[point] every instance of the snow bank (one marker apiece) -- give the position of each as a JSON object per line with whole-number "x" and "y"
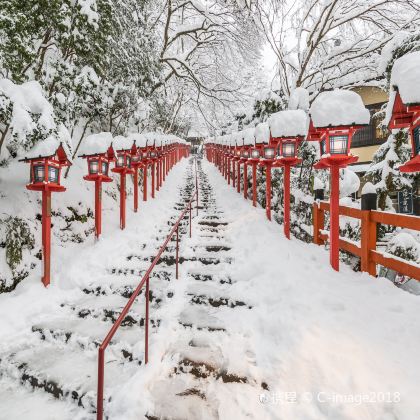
{"x": 339, "y": 107}
{"x": 262, "y": 133}
{"x": 289, "y": 123}
{"x": 95, "y": 144}
{"x": 318, "y": 184}
{"x": 122, "y": 143}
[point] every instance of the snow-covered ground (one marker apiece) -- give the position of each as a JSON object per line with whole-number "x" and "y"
{"x": 256, "y": 327}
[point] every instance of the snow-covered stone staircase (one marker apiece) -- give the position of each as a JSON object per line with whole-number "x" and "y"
{"x": 208, "y": 368}
{"x": 58, "y": 357}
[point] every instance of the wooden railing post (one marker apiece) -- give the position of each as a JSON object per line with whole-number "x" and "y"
{"x": 318, "y": 222}
{"x": 368, "y": 243}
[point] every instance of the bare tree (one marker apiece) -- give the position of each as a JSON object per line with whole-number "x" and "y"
{"x": 321, "y": 44}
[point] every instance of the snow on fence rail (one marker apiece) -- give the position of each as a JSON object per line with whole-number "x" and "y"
{"x": 144, "y": 282}
{"x": 366, "y": 249}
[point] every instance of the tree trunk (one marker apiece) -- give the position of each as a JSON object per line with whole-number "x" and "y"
{"x": 78, "y": 145}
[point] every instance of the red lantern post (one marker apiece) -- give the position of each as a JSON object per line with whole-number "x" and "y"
{"x": 336, "y": 116}
{"x": 46, "y": 161}
{"x": 404, "y": 104}
{"x": 99, "y": 153}
{"x": 288, "y": 128}
{"x": 124, "y": 149}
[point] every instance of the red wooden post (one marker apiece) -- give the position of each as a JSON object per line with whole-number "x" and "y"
{"x": 268, "y": 191}
{"x": 136, "y": 189}
{"x": 157, "y": 175}
{"x": 177, "y": 251}
{"x": 318, "y": 220}
{"x": 238, "y": 171}
{"x": 245, "y": 181}
{"x": 98, "y": 206}
{"x": 254, "y": 184}
{"x": 228, "y": 170}
{"x": 233, "y": 174}
{"x": 145, "y": 182}
{"x": 164, "y": 168}
{"x": 190, "y": 219}
{"x": 46, "y": 236}
{"x": 335, "y": 218}
{"x": 100, "y": 395}
{"x": 368, "y": 243}
{"x": 146, "y": 324}
{"x": 286, "y": 180}
{"x": 153, "y": 179}
{"x": 122, "y": 201}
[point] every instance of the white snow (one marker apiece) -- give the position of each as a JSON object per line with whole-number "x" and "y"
{"x": 368, "y": 188}
{"x": 405, "y": 76}
{"x": 289, "y": 123}
{"x": 95, "y": 144}
{"x": 339, "y": 107}
{"x": 248, "y": 136}
{"x": 349, "y": 182}
{"x": 299, "y": 99}
{"x": 318, "y": 184}
{"x": 262, "y": 133}
{"x": 122, "y": 143}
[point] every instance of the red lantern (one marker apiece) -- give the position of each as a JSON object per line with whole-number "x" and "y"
{"x": 46, "y": 161}
{"x": 124, "y": 153}
{"x": 336, "y": 117}
{"x": 99, "y": 153}
{"x": 288, "y": 129}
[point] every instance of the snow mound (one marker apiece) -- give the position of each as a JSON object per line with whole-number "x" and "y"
{"x": 262, "y": 133}
{"x": 122, "y": 143}
{"x": 405, "y": 77}
{"x": 339, "y": 107}
{"x": 349, "y": 182}
{"x": 318, "y": 184}
{"x": 95, "y": 144}
{"x": 291, "y": 123}
{"x": 368, "y": 188}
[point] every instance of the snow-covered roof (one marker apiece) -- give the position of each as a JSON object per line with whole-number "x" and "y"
{"x": 95, "y": 144}
{"x": 339, "y": 108}
{"x": 122, "y": 143}
{"x": 139, "y": 138}
{"x": 262, "y": 133}
{"x": 291, "y": 123}
{"x": 405, "y": 76}
{"x": 248, "y": 136}
{"x": 299, "y": 99}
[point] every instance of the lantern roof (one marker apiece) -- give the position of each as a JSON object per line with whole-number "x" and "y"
{"x": 290, "y": 123}
{"x": 248, "y": 136}
{"x": 50, "y": 148}
{"x": 339, "y": 108}
{"x": 96, "y": 144}
{"x": 262, "y": 133}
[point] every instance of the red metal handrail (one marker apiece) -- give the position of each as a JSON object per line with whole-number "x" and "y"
{"x": 144, "y": 280}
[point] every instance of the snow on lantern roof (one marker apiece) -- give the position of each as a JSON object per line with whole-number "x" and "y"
{"x": 122, "y": 143}
{"x": 339, "y": 108}
{"x": 96, "y": 144}
{"x": 248, "y": 136}
{"x": 291, "y": 123}
{"x": 48, "y": 148}
{"x": 405, "y": 77}
{"x": 139, "y": 138}
{"x": 262, "y": 133}
{"x": 235, "y": 139}
{"x": 299, "y": 99}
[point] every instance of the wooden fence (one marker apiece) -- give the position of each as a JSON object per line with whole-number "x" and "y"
{"x": 366, "y": 248}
